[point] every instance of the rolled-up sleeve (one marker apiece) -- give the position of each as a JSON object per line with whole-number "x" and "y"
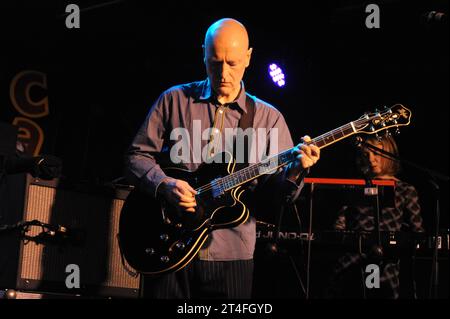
{"x": 141, "y": 167}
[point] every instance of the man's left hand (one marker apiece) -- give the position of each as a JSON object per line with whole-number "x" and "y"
{"x": 306, "y": 156}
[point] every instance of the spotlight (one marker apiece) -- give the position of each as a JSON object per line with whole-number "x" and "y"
{"x": 277, "y": 75}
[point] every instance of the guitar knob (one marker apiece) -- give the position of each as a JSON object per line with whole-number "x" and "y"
{"x": 397, "y": 131}
{"x": 149, "y": 251}
{"x": 180, "y": 245}
{"x": 165, "y": 259}
{"x": 164, "y": 237}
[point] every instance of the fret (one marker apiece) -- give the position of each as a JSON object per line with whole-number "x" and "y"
{"x": 329, "y": 138}
{"x": 349, "y": 130}
{"x": 254, "y": 171}
{"x": 338, "y": 134}
{"x": 319, "y": 142}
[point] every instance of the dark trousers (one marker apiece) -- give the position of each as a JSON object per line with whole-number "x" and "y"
{"x": 203, "y": 279}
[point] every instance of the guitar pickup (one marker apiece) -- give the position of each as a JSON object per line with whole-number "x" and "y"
{"x": 216, "y": 188}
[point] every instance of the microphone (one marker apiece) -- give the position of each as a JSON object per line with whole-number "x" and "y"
{"x": 57, "y": 234}
{"x": 56, "y": 230}
{"x": 45, "y": 167}
{"x": 362, "y": 161}
{"x": 357, "y": 141}
{"x": 63, "y": 235}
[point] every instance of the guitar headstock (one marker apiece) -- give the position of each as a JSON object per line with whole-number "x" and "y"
{"x": 390, "y": 118}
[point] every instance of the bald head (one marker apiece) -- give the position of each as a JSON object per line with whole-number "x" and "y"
{"x": 226, "y": 55}
{"x": 229, "y": 31}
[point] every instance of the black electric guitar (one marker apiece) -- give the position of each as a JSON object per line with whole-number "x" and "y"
{"x": 156, "y": 239}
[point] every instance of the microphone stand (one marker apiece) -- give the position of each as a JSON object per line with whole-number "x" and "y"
{"x": 372, "y": 191}
{"x": 434, "y": 177}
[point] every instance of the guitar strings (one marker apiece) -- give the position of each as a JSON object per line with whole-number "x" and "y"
{"x": 246, "y": 170}
{"x": 314, "y": 140}
{"x": 252, "y": 167}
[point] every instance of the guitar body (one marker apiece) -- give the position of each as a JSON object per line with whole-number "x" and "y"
{"x": 155, "y": 238}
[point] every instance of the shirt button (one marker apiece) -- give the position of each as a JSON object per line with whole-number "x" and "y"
{"x": 220, "y": 111}
{"x": 216, "y": 130}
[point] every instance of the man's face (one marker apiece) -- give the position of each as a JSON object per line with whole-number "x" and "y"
{"x": 226, "y": 62}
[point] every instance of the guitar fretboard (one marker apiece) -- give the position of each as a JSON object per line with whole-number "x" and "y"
{"x": 271, "y": 164}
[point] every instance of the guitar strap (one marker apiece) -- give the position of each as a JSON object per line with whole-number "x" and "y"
{"x": 245, "y": 122}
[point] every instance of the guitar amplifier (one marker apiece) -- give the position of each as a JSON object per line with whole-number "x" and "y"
{"x": 87, "y": 249}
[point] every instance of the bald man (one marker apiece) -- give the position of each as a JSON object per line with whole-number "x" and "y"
{"x": 224, "y": 265}
{"x": 226, "y": 56}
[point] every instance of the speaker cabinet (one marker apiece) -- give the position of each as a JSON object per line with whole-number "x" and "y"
{"x": 90, "y": 218}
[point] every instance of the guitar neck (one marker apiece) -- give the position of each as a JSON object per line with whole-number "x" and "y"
{"x": 271, "y": 164}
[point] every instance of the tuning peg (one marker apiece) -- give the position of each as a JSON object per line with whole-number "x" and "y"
{"x": 397, "y": 131}
{"x": 379, "y": 138}
{"x": 388, "y": 133}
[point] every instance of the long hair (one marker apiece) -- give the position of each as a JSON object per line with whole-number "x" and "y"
{"x": 388, "y": 166}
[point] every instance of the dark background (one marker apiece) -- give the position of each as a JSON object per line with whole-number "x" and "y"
{"x": 103, "y": 78}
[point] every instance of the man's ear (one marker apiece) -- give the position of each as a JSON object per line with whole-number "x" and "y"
{"x": 249, "y": 56}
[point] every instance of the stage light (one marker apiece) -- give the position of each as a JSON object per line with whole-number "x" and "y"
{"x": 277, "y": 75}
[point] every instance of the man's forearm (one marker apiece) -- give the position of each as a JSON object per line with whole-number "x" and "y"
{"x": 144, "y": 172}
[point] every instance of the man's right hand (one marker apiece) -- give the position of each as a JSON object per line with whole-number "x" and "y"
{"x": 178, "y": 193}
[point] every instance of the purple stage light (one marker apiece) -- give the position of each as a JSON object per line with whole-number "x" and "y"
{"x": 277, "y": 75}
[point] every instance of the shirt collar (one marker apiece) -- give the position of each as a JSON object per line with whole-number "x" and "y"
{"x": 207, "y": 95}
